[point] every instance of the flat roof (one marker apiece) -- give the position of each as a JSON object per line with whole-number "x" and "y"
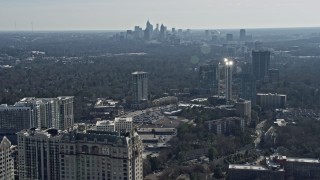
{"x": 139, "y": 72}
{"x": 305, "y": 160}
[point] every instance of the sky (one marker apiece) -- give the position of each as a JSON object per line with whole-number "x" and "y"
{"x": 125, "y": 14}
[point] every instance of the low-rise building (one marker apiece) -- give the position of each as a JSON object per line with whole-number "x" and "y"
{"x": 226, "y": 125}
{"x": 271, "y": 101}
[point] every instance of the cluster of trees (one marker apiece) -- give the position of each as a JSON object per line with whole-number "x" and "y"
{"x": 241, "y": 158}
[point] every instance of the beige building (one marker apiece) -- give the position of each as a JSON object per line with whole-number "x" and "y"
{"x": 123, "y": 124}
{"x": 100, "y": 155}
{"x": 105, "y": 125}
{"x": 38, "y": 154}
{"x": 6, "y": 160}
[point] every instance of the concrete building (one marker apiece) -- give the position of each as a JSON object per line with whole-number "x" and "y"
{"x": 271, "y": 101}
{"x": 6, "y": 160}
{"x": 99, "y": 155}
{"x": 38, "y": 154}
{"x": 243, "y": 109}
{"x": 14, "y": 118}
{"x": 227, "y": 125}
{"x": 105, "y": 125}
{"x": 52, "y": 154}
{"x": 123, "y": 124}
{"x": 106, "y": 109}
{"x": 139, "y": 89}
{"x": 274, "y": 75}
{"x": 261, "y": 65}
{"x": 50, "y": 112}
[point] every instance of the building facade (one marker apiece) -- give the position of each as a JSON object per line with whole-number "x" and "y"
{"x": 139, "y": 89}
{"x": 209, "y": 76}
{"x": 229, "y": 125}
{"x": 6, "y": 160}
{"x": 38, "y": 154}
{"x": 243, "y": 109}
{"x": 261, "y": 64}
{"x": 99, "y": 155}
{"x": 123, "y": 124}
{"x": 271, "y": 101}
{"x": 15, "y": 118}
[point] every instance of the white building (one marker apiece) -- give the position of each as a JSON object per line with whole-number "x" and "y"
{"x": 6, "y": 160}
{"x": 123, "y": 124}
{"x": 105, "y": 125}
{"x": 139, "y": 89}
{"x": 50, "y": 112}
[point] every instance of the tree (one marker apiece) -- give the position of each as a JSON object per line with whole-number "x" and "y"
{"x": 212, "y": 152}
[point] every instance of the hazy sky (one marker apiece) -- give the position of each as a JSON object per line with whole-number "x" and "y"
{"x": 124, "y": 14}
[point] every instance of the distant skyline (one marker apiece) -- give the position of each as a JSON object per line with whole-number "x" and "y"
{"x": 125, "y": 14}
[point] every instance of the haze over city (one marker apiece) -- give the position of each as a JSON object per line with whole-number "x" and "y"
{"x": 124, "y": 14}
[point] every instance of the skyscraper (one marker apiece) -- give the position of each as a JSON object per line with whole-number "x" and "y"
{"x": 209, "y": 76}
{"x": 6, "y": 160}
{"x": 50, "y": 112}
{"x": 229, "y": 37}
{"x": 242, "y": 34}
{"x": 260, "y": 64}
{"x": 228, "y": 79}
{"x": 39, "y": 154}
{"x": 248, "y": 87}
{"x": 100, "y": 155}
{"x": 148, "y": 31}
{"x": 139, "y": 87}
{"x": 51, "y": 154}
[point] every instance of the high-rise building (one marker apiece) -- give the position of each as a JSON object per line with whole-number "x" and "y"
{"x": 52, "y": 154}
{"x": 260, "y": 64}
{"x": 274, "y": 75}
{"x": 242, "y": 34}
{"x": 209, "y": 76}
{"x": 148, "y": 31}
{"x": 6, "y": 160}
{"x": 50, "y": 112}
{"x": 243, "y": 109}
{"x": 271, "y": 101}
{"x": 248, "y": 87}
{"x": 228, "y": 79}
{"x": 38, "y": 153}
{"x": 139, "y": 88}
{"x": 15, "y": 118}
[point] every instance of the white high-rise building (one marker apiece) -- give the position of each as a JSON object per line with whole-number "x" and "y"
{"x": 50, "y": 112}
{"x": 6, "y": 160}
{"x": 140, "y": 86}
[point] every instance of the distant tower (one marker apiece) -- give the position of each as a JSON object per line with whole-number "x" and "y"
{"x": 148, "y": 31}
{"x": 139, "y": 87}
{"x": 260, "y": 64}
{"x": 229, "y": 37}
{"x": 228, "y": 79}
{"x": 209, "y": 76}
{"x": 242, "y": 34}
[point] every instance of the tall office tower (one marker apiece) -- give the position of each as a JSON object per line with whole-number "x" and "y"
{"x": 242, "y": 34}
{"x": 148, "y": 31}
{"x": 140, "y": 86}
{"x": 163, "y": 31}
{"x": 100, "y": 155}
{"x": 248, "y": 87}
{"x": 14, "y": 118}
{"x": 260, "y": 64}
{"x": 66, "y": 112}
{"x": 209, "y": 76}
{"x": 50, "y": 112}
{"x": 38, "y": 152}
{"x": 6, "y": 160}
{"x": 228, "y": 80}
{"x": 229, "y": 37}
